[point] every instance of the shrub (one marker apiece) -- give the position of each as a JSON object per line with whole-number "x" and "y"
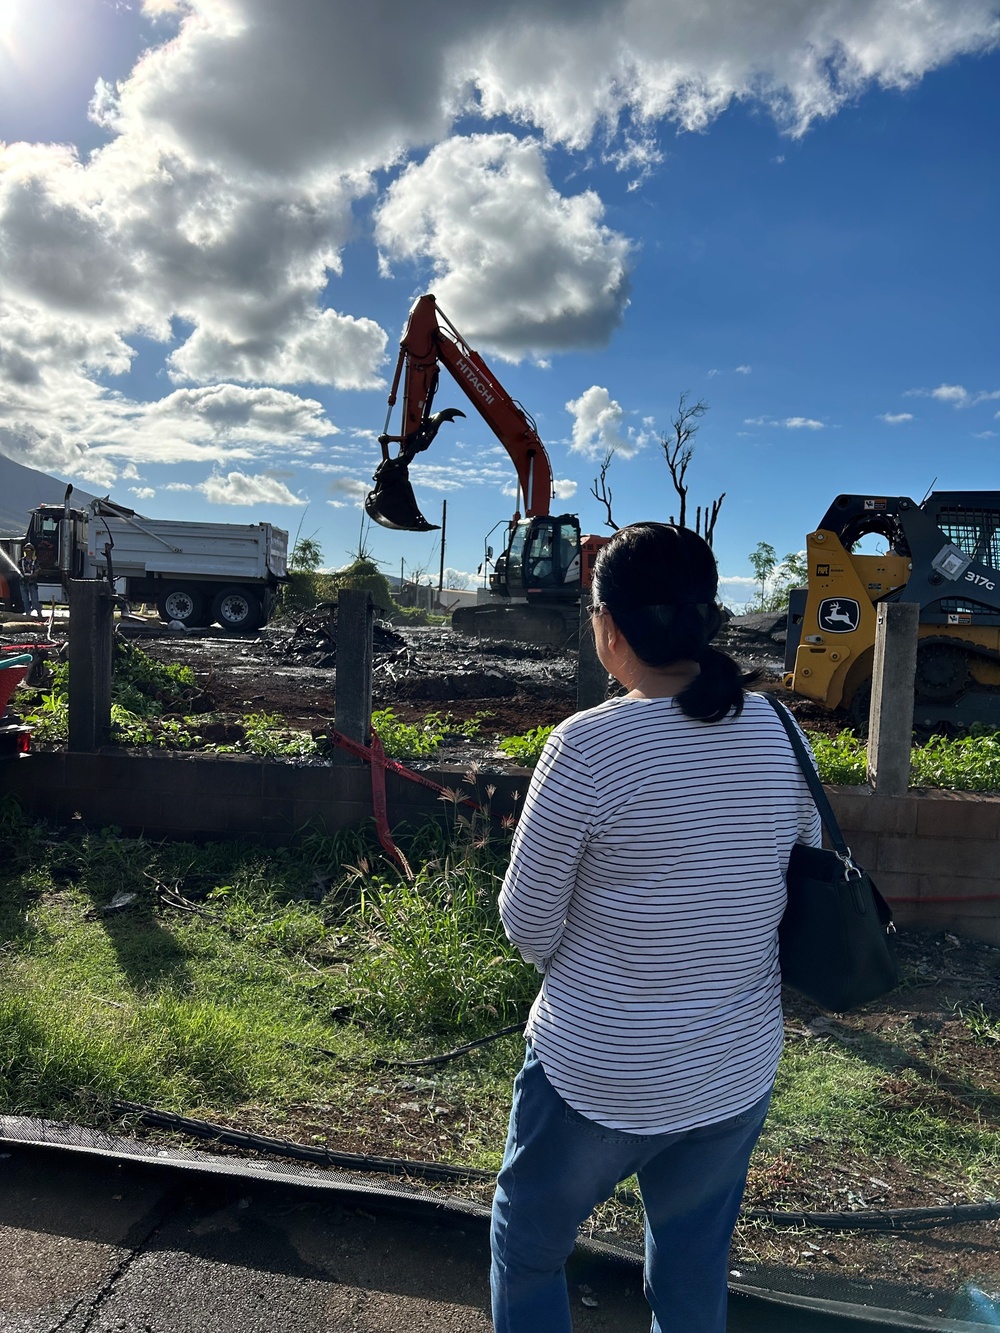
{"x": 366, "y": 576}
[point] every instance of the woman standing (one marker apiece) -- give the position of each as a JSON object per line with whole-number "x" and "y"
{"x": 646, "y": 883}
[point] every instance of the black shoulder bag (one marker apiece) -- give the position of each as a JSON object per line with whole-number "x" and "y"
{"x": 834, "y": 939}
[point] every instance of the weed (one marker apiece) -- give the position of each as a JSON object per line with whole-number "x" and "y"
{"x": 842, "y": 759}
{"x": 527, "y": 749}
{"x": 432, "y": 954}
{"x": 267, "y": 735}
{"x": 965, "y": 763}
{"x": 419, "y": 740}
{"x": 983, "y": 1025}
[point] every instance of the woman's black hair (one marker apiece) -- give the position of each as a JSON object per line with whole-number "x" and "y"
{"x": 659, "y": 582}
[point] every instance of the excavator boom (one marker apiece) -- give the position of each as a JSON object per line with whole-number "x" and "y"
{"x": 429, "y": 341}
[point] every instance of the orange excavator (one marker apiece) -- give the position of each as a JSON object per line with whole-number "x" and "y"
{"x": 546, "y": 565}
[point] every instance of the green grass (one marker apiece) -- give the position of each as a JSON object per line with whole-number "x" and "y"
{"x": 294, "y": 970}
{"x": 298, "y": 964}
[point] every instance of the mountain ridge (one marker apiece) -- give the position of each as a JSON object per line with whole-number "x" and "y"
{"x": 23, "y": 489}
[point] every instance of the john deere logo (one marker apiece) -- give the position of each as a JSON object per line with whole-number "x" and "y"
{"x": 839, "y": 615}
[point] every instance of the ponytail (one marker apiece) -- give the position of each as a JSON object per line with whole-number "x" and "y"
{"x": 718, "y": 688}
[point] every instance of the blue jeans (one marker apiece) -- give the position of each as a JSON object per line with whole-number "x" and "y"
{"x": 29, "y": 598}
{"x": 558, "y": 1166}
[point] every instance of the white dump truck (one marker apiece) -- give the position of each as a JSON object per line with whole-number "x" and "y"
{"x": 195, "y": 573}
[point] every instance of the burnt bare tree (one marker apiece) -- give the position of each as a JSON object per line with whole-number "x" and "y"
{"x": 601, "y": 491}
{"x": 678, "y": 449}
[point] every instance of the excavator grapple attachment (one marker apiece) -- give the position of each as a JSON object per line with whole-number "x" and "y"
{"x": 392, "y": 502}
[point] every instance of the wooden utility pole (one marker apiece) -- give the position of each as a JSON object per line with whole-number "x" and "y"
{"x": 353, "y": 685}
{"x": 444, "y": 525}
{"x": 91, "y": 640}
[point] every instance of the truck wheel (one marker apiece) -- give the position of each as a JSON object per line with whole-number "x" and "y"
{"x": 238, "y": 609}
{"x": 183, "y": 604}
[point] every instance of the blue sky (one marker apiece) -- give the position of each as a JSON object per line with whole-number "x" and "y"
{"x": 203, "y": 276}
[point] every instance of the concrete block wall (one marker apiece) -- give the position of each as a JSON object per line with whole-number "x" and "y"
{"x": 176, "y": 795}
{"x": 933, "y": 854}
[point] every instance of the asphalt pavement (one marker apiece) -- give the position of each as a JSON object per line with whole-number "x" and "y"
{"x": 106, "y": 1235}
{"x": 91, "y": 1245}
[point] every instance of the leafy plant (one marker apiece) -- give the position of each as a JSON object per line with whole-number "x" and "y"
{"x": 963, "y": 763}
{"x": 419, "y": 740}
{"x": 307, "y": 554}
{"x": 527, "y": 749}
{"x": 407, "y": 740}
{"x": 267, "y": 735}
{"x": 365, "y": 575}
{"x": 842, "y": 759}
{"x": 763, "y": 559}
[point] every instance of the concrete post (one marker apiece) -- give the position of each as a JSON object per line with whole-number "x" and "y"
{"x": 91, "y": 627}
{"x": 890, "y": 728}
{"x": 353, "y": 685}
{"x": 591, "y": 677}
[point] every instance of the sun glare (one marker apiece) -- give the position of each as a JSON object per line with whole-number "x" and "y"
{"x": 13, "y": 15}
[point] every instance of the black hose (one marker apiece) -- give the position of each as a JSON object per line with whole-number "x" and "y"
{"x": 891, "y": 1219}
{"x": 448, "y": 1055}
{"x": 237, "y": 1138}
{"x": 888, "y": 1219}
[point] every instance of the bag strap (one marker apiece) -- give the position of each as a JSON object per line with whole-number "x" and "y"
{"x": 812, "y": 778}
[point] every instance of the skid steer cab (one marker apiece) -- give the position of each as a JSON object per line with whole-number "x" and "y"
{"x": 943, "y": 554}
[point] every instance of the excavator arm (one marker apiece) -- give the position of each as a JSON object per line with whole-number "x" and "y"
{"x": 429, "y": 341}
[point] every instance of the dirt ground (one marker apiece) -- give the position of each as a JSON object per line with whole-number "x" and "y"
{"x": 289, "y": 668}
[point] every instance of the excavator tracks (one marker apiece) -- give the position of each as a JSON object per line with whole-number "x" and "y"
{"x": 519, "y": 622}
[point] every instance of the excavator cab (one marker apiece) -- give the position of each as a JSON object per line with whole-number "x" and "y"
{"x": 542, "y": 558}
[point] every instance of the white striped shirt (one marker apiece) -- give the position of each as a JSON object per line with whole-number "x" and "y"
{"x": 647, "y": 880}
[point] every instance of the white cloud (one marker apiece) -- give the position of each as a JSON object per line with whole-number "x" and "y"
{"x": 956, "y": 394}
{"x": 744, "y": 370}
{"x": 952, "y": 393}
{"x": 231, "y": 409}
{"x": 240, "y": 489}
{"x": 143, "y": 492}
{"x": 786, "y": 423}
{"x": 599, "y": 425}
{"x": 895, "y": 418}
{"x": 214, "y": 219}
{"x": 348, "y": 492}
{"x": 563, "y": 489}
{"x": 568, "y": 68}
{"x": 737, "y": 591}
{"x": 517, "y": 265}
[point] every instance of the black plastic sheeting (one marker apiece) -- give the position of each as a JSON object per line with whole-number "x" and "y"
{"x": 764, "y": 1299}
